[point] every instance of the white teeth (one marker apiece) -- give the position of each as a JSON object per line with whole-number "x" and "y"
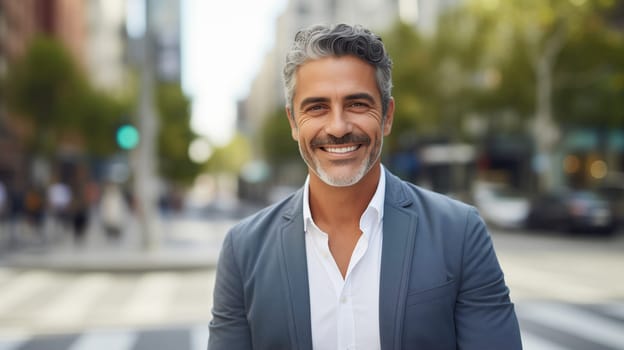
{"x": 341, "y": 149}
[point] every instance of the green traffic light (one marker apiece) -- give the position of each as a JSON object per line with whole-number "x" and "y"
{"x": 127, "y": 137}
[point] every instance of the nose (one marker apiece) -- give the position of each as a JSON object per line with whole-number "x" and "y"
{"x": 338, "y": 124}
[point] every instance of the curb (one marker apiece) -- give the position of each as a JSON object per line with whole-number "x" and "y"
{"x": 129, "y": 262}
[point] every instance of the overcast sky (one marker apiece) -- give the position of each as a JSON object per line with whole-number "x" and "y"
{"x": 223, "y": 45}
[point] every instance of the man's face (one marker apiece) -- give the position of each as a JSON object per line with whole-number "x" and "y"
{"x": 336, "y": 118}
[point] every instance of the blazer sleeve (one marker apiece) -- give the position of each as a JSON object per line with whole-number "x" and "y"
{"x": 484, "y": 315}
{"x": 229, "y": 329}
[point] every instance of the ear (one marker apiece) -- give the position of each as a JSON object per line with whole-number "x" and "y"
{"x": 387, "y": 127}
{"x": 294, "y": 132}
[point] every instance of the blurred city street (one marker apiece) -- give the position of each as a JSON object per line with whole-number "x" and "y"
{"x": 116, "y": 296}
{"x": 132, "y": 137}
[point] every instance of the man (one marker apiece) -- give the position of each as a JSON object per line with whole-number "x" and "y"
{"x": 356, "y": 259}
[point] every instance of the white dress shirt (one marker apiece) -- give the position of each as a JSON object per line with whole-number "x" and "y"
{"x": 345, "y": 312}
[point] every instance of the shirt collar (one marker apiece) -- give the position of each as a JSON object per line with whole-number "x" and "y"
{"x": 376, "y": 204}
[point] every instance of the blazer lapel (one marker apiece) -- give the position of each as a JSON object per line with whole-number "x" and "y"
{"x": 399, "y": 227}
{"x": 294, "y": 264}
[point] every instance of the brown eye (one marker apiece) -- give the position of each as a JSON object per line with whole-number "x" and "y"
{"x": 316, "y": 110}
{"x": 358, "y": 106}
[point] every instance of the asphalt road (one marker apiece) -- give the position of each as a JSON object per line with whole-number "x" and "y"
{"x": 568, "y": 289}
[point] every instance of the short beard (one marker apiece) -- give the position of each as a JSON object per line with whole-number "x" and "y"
{"x": 315, "y": 167}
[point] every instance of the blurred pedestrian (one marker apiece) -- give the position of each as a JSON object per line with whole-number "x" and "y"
{"x": 4, "y": 210}
{"x": 113, "y": 210}
{"x": 79, "y": 210}
{"x": 59, "y": 201}
{"x": 357, "y": 258}
{"x": 34, "y": 205}
{"x": 16, "y": 211}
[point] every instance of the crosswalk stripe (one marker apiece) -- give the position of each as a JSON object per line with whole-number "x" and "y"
{"x": 199, "y": 337}
{"x": 575, "y": 321}
{"x": 615, "y": 310}
{"x": 106, "y": 340}
{"x": 151, "y": 297}
{"x": 531, "y": 342}
{"x": 22, "y": 288}
{"x": 6, "y": 274}
{"x": 75, "y": 300}
{"x": 12, "y": 344}
{"x": 548, "y": 284}
{"x": 521, "y": 271}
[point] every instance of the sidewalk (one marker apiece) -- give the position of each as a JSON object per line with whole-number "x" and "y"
{"x": 187, "y": 242}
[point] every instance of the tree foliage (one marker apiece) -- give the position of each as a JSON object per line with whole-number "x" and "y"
{"x": 231, "y": 157}
{"x": 276, "y": 139}
{"x": 582, "y": 47}
{"x": 49, "y": 90}
{"x": 589, "y": 79}
{"x": 101, "y": 115}
{"x": 175, "y": 134}
{"x": 482, "y": 60}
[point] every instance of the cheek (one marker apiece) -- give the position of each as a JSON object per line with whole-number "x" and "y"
{"x": 375, "y": 126}
{"x": 306, "y": 129}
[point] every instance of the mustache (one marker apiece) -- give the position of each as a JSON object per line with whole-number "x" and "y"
{"x": 333, "y": 140}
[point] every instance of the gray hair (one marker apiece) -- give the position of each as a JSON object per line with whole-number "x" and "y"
{"x": 320, "y": 41}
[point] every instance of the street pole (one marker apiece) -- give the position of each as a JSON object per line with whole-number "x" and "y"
{"x": 547, "y": 133}
{"x": 145, "y": 160}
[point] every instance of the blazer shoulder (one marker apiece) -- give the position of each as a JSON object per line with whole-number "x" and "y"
{"x": 444, "y": 219}
{"x": 265, "y": 222}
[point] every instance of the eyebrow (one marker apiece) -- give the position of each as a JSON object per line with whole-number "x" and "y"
{"x": 361, "y": 96}
{"x": 311, "y": 100}
{"x": 357, "y": 96}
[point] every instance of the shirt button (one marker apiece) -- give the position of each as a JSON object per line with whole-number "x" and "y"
{"x": 343, "y": 299}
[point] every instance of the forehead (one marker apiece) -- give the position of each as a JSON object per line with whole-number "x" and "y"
{"x": 335, "y": 76}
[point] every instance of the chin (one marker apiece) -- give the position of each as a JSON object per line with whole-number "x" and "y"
{"x": 342, "y": 180}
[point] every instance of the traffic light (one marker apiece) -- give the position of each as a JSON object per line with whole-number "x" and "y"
{"x": 127, "y": 136}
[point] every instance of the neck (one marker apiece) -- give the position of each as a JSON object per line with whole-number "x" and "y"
{"x": 333, "y": 206}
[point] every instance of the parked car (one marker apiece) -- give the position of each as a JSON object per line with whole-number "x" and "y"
{"x": 500, "y": 205}
{"x": 571, "y": 210}
{"x": 614, "y": 194}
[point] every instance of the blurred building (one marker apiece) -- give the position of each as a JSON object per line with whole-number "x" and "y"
{"x": 17, "y": 27}
{"x": 162, "y": 17}
{"x": 591, "y": 156}
{"x": 23, "y": 20}
{"x": 20, "y": 22}
{"x": 424, "y": 14}
{"x": 106, "y": 44}
{"x": 163, "y": 21}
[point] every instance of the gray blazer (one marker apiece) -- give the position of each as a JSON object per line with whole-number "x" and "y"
{"x": 441, "y": 285}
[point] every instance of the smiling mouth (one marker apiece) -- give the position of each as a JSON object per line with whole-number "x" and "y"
{"x": 341, "y": 150}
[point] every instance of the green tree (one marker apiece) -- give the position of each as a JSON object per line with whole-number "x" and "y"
{"x": 276, "y": 139}
{"x": 588, "y": 82}
{"x": 412, "y": 77}
{"x": 175, "y": 134}
{"x": 437, "y": 77}
{"x": 230, "y": 158}
{"x": 48, "y": 89}
{"x": 569, "y": 58}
